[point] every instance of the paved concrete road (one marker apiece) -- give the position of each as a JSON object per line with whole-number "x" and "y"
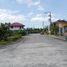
{"x": 35, "y": 51}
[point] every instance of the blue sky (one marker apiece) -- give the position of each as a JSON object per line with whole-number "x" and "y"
{"x": 31, "y": 12}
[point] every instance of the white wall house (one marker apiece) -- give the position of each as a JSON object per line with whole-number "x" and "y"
{"x": 16, "y": 26}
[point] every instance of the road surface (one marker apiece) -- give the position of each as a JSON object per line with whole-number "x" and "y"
{"x": 35, "y": 51}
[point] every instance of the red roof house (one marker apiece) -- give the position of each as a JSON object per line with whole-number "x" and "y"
{"x": 16, "y": 26}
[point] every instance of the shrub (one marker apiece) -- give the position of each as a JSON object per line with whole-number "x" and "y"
{"x": 22, "y": 32}
{"x": 10, "y": 39}
{"x": 3, "y": 42}
{"x": 14, "y": 38}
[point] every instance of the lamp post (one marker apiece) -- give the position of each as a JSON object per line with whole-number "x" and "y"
{"x": 49, "y": 27}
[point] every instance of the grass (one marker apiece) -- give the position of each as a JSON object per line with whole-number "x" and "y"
{"x": 3, "y": 42}
{"x": 10, "y": 39}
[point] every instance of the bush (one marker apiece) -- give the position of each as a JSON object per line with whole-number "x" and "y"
{"x": 34, "y": 30}
{"x": 22, "y": 32}
{"x": 3, "y": 42}
{"x": 10, "y": 39}
{"x": 14, "y": 38}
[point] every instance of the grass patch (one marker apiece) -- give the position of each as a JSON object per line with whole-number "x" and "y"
{"x": 14, "y": 38}
{"x": 3, "y": 42}
{"x": 10, "y": 39}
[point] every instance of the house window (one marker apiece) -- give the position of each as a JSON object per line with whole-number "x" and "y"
{"x": 11, "y": 26}
{"x": 20, "y": 27}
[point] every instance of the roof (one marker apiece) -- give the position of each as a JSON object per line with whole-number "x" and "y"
{"x": 17, "y": 24}
{"x": 60, "y": 21}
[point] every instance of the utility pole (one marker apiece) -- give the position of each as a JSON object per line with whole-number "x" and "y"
{"x": 49, "y": 27}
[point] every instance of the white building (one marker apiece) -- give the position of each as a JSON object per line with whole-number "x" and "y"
{"x": 16, "y": 26}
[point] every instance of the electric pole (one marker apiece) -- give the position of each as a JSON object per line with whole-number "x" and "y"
{"x": 49, "y": 27}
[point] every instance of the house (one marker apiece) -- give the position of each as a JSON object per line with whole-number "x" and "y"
{"x": 16, "y": 26}
{"x": 62, "y": 25}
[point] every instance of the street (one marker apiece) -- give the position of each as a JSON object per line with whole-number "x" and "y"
{"x": 35, "y": 50}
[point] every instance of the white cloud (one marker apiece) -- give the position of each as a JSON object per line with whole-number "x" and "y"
{"x": 37, "y": 18}
{"x": 36, "y": 3}
{"x": 30, "y": 14}
{"x": 8, "y": 11}
{"x": 40, "y": 7}
{"x": 19, "y": 1}
{"x": 9, "y": 16}
{"x": 41, "y": 18}
{"x": 30, "y": 3}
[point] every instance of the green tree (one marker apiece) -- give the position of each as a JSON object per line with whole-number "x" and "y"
{"x": 4, "y": 31}
{"x": 54, "y": 29}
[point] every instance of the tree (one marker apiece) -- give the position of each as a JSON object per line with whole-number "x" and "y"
{"x": 54, "y": 29}
{"x": 4, "y": 31}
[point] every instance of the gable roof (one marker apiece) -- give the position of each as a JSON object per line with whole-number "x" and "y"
{"x": 17, "y": 24}
{"x": 60, "y": 21}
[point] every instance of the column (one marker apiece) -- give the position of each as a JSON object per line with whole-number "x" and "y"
{"x": 59, "y": 31}
{"x": 63, "y": 30}
{"x": 49, "y": 29}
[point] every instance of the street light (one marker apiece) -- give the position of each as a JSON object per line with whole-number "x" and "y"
{"x": 49, "y": 27}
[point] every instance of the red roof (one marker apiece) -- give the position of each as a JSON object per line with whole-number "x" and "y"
{"x": 17, "y": 24}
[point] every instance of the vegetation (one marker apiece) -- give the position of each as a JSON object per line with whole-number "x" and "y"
{"x": 34, "y": 30}
{"x": 23, "y": 32}
{"x": 4, "y": 32}
{"x": 3, "y": 42}
{"x": 7, "y": 36}
{"x": 10, "y": 39}
{"x": 54, "y": 29}
{"x": 14, "y": 38}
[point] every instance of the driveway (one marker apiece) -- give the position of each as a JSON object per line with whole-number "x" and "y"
{"x": 35, "y": 51}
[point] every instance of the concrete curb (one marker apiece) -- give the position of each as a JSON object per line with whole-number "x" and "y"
{"x": 58, "y": 37}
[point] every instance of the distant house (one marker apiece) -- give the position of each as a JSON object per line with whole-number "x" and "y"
{"x": 16, "y": 26}
{"x": 62, "y": 25}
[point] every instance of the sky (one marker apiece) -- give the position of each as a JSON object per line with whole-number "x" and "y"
{"x": 31, "y": 13}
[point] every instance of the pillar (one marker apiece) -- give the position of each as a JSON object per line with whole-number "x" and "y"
{"x": 49, "y": 29}
{"x": 63, "y": 30}
{"x": 59, "y": 31}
